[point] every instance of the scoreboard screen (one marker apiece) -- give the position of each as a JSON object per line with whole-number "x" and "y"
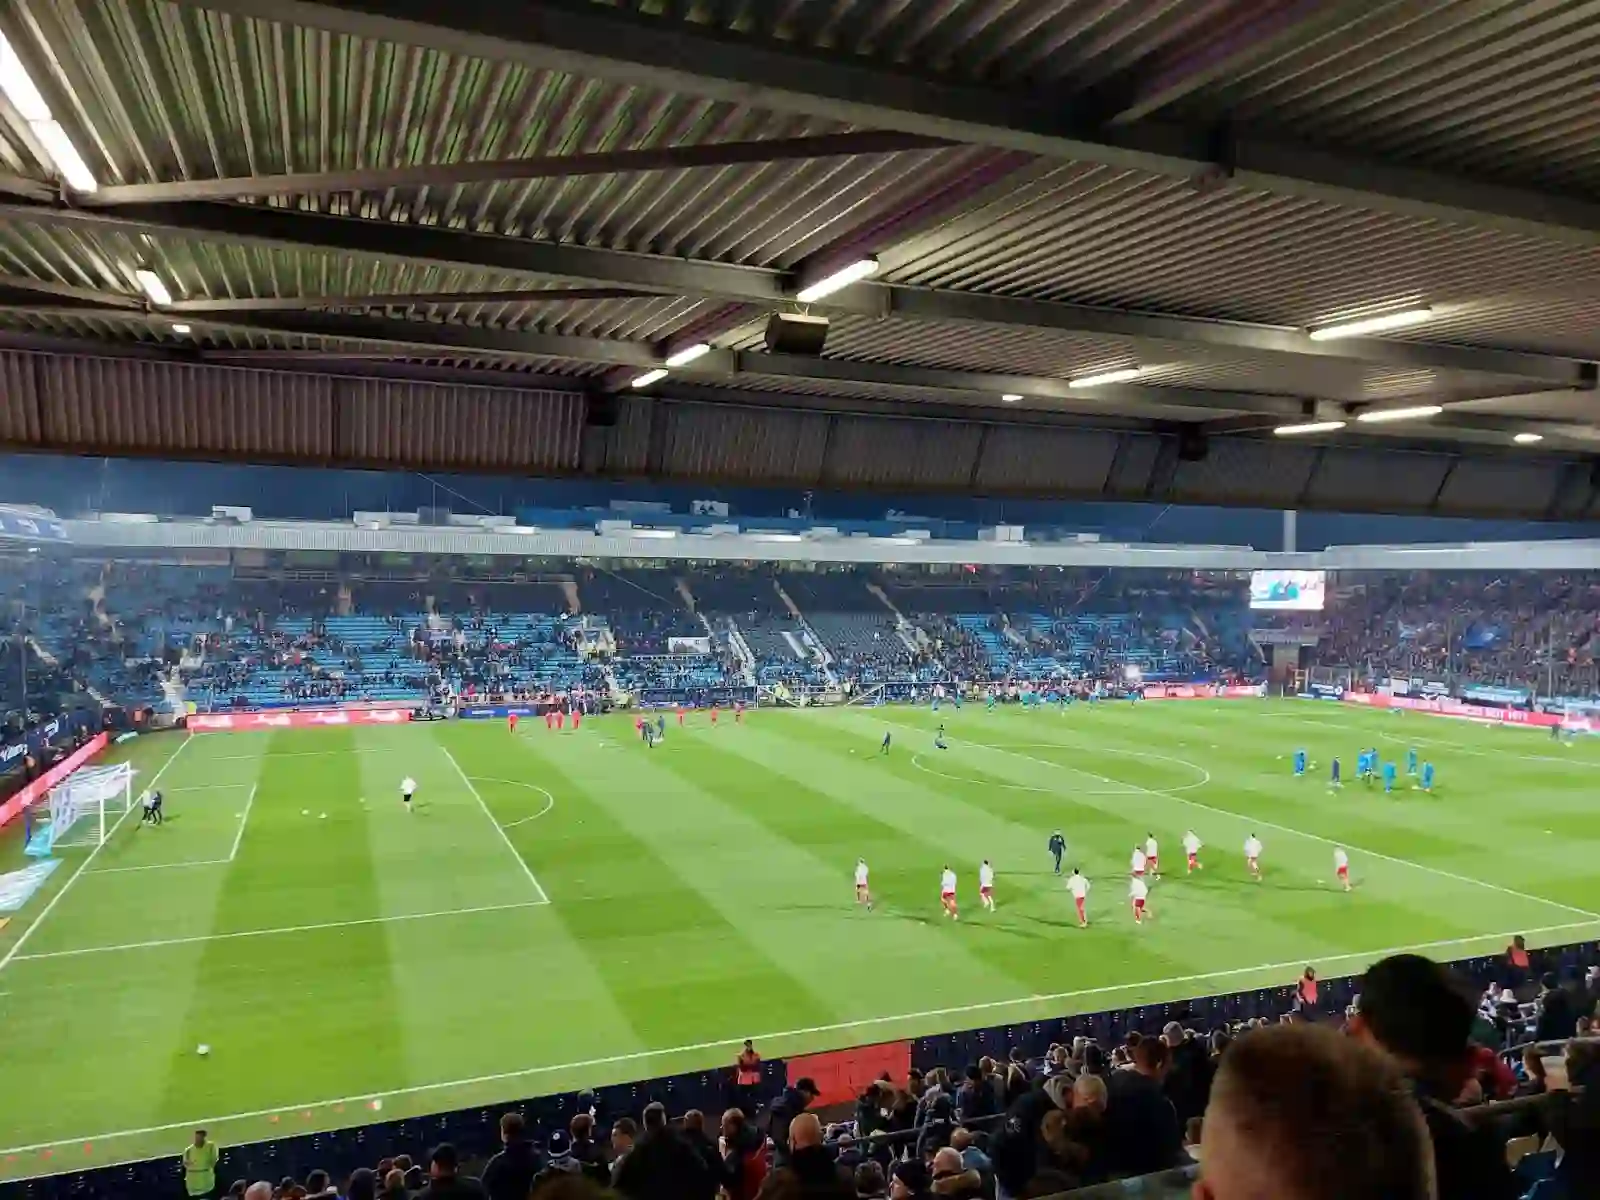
{"x": 1298, "y": 590}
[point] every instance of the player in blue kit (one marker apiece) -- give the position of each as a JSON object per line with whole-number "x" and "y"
{"x": 1299, "y": 763}
{"x": 1334, "y": 780}
{"x": 1411, "y": 761}
{"x": 1427, "y": 777}
{"x": 1389, "y": 773}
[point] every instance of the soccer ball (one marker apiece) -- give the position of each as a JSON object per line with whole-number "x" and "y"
{"x": 377, "y": 1105}
{"x": 324, "y": 816}
{"x": 305, "y": 812}
{"x": 202, "y": 1050}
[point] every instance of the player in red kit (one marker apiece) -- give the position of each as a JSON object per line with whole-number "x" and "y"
{"x": 561, "y": 719}
{"x": 713, "y": 714}
{"x": 549, "y": 718}
{"x": 738, "y": 713}
{"x": 577, "y": 719}
{"x": 680, "y": 716}
{"x": 511, "y": 722}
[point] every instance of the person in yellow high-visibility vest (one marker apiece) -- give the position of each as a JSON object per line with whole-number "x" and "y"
{"x": 200, "y": 1166}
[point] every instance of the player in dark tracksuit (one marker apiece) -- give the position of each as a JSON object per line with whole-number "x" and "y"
{"x": 1058, "y": 847}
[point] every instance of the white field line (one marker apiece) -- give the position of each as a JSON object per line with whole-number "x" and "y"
{"x": 197, "y": 939}
{"x": 505, "y": 837}
{"x": 84, "y": 865}
{"x": 549, "y": 800}
{"x": 244, "y": 820}
{"x": 208, "y": 787}
{"x": 172, "y": 866}
{"x": 1300, "y": 833}
{"x": 1364, "y": 956}
{"x": 215, "y": 758}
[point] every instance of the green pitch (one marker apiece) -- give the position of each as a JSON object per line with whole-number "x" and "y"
{"x": 567, "y": 910}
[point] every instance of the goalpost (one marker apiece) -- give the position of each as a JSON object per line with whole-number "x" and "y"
{"x": 79, "y": 806}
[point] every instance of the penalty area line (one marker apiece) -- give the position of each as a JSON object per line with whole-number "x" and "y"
{"x": 808, "y": 1031}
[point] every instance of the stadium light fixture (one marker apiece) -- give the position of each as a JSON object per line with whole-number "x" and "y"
{"x": 688, "y": 354}
{"x": 837, "y": 281}
{"x": 181, "y": 328}
{"x": 1309, "y": 427}
{"x": 1120, "y": 375}
{"x": 777, "y": 537}
{"x": 1379, "y": 416}
{"x": 655, "y": 533}
{"x": 649, "y": 377}
{"x": 1528, "y": 439}
{"x": 26, "y": 98}
{"x": 1367, "y": 325}
{"x": 153, "y": 286}
{"x": 1011, "y": 397}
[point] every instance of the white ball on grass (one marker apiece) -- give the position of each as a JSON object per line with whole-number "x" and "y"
{"x": 305, "y": 812}
{"x": 202, "y": 1050}
{"x": 324, "y": 816}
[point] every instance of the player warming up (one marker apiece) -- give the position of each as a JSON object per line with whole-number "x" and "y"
{"x": 1388, "y": 777}
{"x": 1341, "y": 867}
{"x": 1152, "y": 854}
{"x": 1079, "y": 887}
{"x": 1058, "y": 847}
{"x": 1427, "y": 777}
{"x": 1138, "y": 892}
{"x": 863, "y": 893}
{"x": 1138, "y": 863}
{"x": 1252, "y": 856}
{"x": 887, "y": 738}
{"x": 947, "y": 894}
{"x": 938, "y": 739}
{"x": 986, "y": 885}
{"x": 1333, "y": 779}
{"x": 408, "y": 789}
{"x": 1191, "y": 851}
{"x": 1299, "y": 764}
{"x": 511, "y": 722}
{"x": 151, "y": 801}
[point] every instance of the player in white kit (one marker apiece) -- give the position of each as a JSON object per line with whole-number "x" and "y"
{"x": 1341, "y": 866}
{"x": 1152, "y": 855}
{"x": 1079, "y": 887}
{"x": 986, "y": 885}
{"x": 1137, "y": 865}
{"x": 863, "y": 893}
{"x": 947, "y": 894}
{"x": 1138, "y": 890}
{"x": 1252, "y": 856}
{"x": 408, "y": 789}
{"x": 1191, "y": 851}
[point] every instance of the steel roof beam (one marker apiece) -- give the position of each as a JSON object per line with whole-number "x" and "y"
{"x": 410, "y": 300}
{"x": 751, "y": 285}
{"x": 671, "y": 56}
{"x": 556, "y": 166}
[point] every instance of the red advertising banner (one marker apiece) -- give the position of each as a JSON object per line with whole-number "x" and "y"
{"x": 1448, "y": 706}
{"x": 1202, "y": 691}
{"x": 14, "y": 807}
{"x": 289, "y": 719}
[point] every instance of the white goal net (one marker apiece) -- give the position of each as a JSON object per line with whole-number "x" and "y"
{"x": 84, "y": 808}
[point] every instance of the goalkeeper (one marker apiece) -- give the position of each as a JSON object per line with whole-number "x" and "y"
{"x": 151, "y": 801}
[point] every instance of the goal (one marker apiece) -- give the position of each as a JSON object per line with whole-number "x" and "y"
{"x": 80, "y": 806}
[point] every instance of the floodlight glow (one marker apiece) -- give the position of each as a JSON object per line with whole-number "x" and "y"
{"x": 181, "y": 328}
{"x": 649, "y": 377}
{"x": 688, "y": 354}
{"x": 1379, "y": 416}
{"x": 1011, "y": 397}
{"x": 153, "y": 286}
{"x": 1309, "y": 427}
{"x": 1528, "y": 439}
{"x": 854, "y": 272}
{"x": 1380, "y": 324}
{"x": 1120, "y": 375}
{"x": 655, "y": 533}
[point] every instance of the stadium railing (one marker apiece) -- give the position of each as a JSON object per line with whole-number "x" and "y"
{"x": 475, "y": 1131}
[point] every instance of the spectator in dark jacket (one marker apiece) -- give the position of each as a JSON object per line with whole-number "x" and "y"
{"x": 785, "y": 1109}
{"x": 976, "y": 1096}
{"x": 509, "y": 1174}
{"x": 1188, "y": 1083}
{"x": 694, "y": 1132}
{"x": 1574, "y": 1121}
{"x": 1421, "y": 1014}
{"x": 663, "y": 1165}
{"x": 589, "y": 1154}
{"x": 445, "y": 1180}
{"x": 1143, "y": 1133}
{"x": 810, "y": 1172}
{"x": 1558, "y": 1015}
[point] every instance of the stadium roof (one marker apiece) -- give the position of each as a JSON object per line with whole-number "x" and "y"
{"x": 556, "y": 196}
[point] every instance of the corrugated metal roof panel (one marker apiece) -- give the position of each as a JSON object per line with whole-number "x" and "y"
{"x": 1501, "y": 87}
{"x": 1102, "y": 236}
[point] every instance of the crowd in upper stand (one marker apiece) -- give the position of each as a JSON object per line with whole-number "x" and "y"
{"x": 129, "y": 631}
